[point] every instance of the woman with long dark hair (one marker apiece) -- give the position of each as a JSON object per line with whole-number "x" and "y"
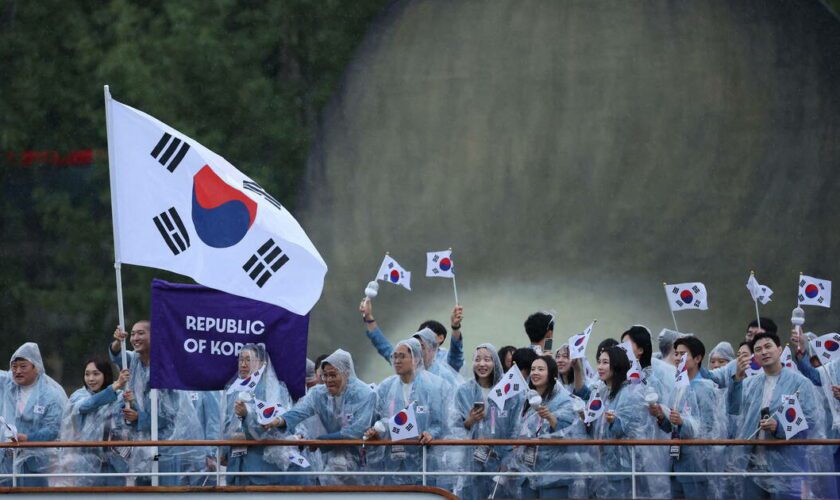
{"x": 94, "y": 414}
{"x": 624, "y": 416}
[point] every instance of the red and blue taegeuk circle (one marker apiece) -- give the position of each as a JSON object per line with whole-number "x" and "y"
{"x": 395, "y": 276}
{"x": 831, "y": 345}
{"x": 686, "y": 296}
{"x": 790, "y": 414}
{"x": 401, "y": 418}
{"x": 445, "y": 264}
{"x": 595, "y": 405}
{"x": 811, "y": 291}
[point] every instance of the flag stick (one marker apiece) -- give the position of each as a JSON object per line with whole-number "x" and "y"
{"x": 673, "y": 316}
{"x": 455, "y": 289}
{"x": 118, "y": 269}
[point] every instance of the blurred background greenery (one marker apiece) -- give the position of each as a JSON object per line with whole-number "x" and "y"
{"x": 245, "y": 78}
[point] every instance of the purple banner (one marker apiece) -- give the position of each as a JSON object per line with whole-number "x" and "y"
{"x": 198, "y": 332}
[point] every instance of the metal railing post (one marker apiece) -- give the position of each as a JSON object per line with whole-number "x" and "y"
{"x": 633, "y": 471}
{"x": 424, "y": 464}
{"x": 14, "y": 466}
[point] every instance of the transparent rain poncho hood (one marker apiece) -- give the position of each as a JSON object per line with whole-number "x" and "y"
{"x": 723, "y": 350}
{"x": 40, "y": 418}
{"x": 342, "y": 361}
{"x": 429, "y": 340}
{"x": 271, "y": 390}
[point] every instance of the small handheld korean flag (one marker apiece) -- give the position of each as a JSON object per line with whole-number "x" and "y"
{"x": 754, "y": 368}
{"x": 594, "y": 408}
{"x": 266, "y": 412}
{"x": 8, "y": 432}
{"x": 403, "y": 425}
{"x": 635, "y": 375}
{"x": 440, "y": 265}
{"x": 682, "y": 380}
{"x": 814, "y": 292}
{"x": 758, "y": 292}
{"x": 248, "y": 383}
{"x": 682, "y": 296}
{"x": 298, "y": 459}
{"x": 392, "y": 272}
{"x": 509, "y": 386}
{"x": 793, "y": 418}
{"x": 787, "y": 359}
{"x": 827, "y": 347}
{"x": 577, "y": 343}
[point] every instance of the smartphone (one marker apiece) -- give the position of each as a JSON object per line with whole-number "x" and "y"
{"x": 478, "y": 405}
{"x": 765, "y": 413}
{"x": 549, "y": 342}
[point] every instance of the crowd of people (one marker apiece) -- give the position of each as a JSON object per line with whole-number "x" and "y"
{"x": 633, "y": 382}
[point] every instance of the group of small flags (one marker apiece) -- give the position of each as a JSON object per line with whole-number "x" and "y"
{"x": 812, "y": 292}
{"x": 438, "y": 265}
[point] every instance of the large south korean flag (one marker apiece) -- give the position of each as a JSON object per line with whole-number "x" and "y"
{"x": 181, "y": 207}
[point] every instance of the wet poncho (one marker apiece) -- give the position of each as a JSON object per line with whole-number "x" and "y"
{"x": 632, "y": 421}
{"x": 92, "y": 417}
{"x": 177, "y": 420}
{"x": 258, "y": 458}
{"x": 498, "y": 423}
{"x": 428, "y": 338}
{"x": 745, "y": 399}
{"x": 702, "y": 418}
{"x": 40, "y": 419}
{"x": 344, "y": 416}
{"x": 553, "y": 458}
{"x": 432, "y": 396}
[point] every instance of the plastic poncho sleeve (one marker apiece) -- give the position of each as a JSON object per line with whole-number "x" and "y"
{"x": 94, "y": 402}
{"x": 383, "y": 347}
{"x": 805, "y": 368}
{"x": 304, "y": 409}
{"x": 721, "y": 376}
{"x": 455, "y": 357}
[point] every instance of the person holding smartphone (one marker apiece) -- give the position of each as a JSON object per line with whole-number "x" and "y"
{"x": 477, "y": 417}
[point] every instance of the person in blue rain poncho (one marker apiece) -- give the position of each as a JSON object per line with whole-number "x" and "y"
{"x": 94, "y": 413}
{"x": 454, "y": 357}
{"x": 657, "y": 378}
{"x": 242, "y": 422}
{"x": 757, "y": 401}
{"x": 431, "y": 396}
{"x": 177, "y": 419}
{"x": 344, "y": 405}
{"x": 692, "y": 413}
{"x": 826, "y": 380}
{"x": 429, "y": 348}
{"x": 206, "y": 405}
{"x": 624, "y": 416}
{"x": 548, "y": 413}
{"x": 477, "y": 417}
{"x": 722, "y": 375}
{"x": 34, "y": 403}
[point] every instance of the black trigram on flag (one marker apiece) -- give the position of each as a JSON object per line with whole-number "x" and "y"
{"x": 256, "y": 188}
{"x": 265, "y": 263}
{"x": 168, "y": 146}
{"x": 173, "y": 231}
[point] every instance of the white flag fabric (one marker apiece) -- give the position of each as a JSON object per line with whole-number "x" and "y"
{"x": 787, "y": 359}
{"x": 636, "y": 375}
{"x": 758, "y": 292}
{"x": 404, "y": 424}
{"x": 814, "y": 292}
{"x": 440, "y": 265}
{"x": 754, "y": 367}
{"x": 594, "y": 408}
{"x": 577, "y": 343}
{"x": 682, "y": 296}
{"x": 793, "y": 418}
{"x": 627, "y": 347}
{"x": 248, "y": 383}
{"x": 827, "y": 347}
{"x": 511, "y": 384}
{"x": 298, "y": 459}
{"x": 267, "y": 412}
{"x": 392, "y": 272}
{"x": 682, "y": 380}
{"x": 181, "y": 207}
{"x": 8, "y": 431}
